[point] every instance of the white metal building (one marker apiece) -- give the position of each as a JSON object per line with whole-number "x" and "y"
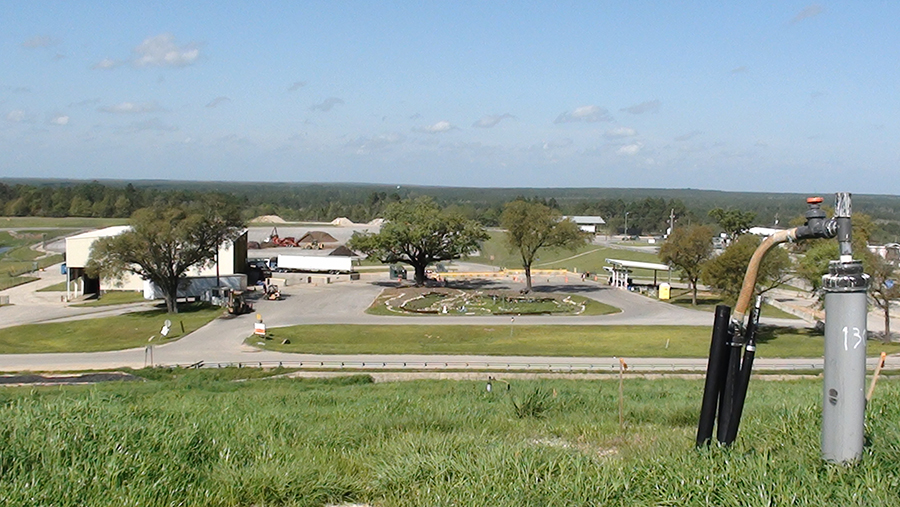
{"x": 232, "y": 260}
{"x": 587, "y": 223}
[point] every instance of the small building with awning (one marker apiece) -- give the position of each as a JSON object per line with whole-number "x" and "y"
{"x": 587, "y": 223}
{"x": 619, "y": 270}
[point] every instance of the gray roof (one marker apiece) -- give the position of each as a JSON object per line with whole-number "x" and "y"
{"x": 586, "y": 220}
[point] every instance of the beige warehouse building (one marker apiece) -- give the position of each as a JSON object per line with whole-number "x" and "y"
{"x": 232, "y": 264}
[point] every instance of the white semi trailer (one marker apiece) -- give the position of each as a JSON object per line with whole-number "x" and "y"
{"x": 314, "y": 263}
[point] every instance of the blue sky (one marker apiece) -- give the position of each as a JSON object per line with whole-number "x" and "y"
{"x": 768, "y": 96}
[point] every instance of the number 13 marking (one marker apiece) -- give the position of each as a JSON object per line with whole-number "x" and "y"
{"x": 856, "y": 334}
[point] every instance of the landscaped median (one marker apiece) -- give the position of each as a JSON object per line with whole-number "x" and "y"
{"x": 120, "y": 332}
{"x": 413, "y": 301}
{"x": 525, "y": 340}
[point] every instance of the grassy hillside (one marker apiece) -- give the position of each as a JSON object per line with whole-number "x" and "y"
{"x": 190, "y": 439}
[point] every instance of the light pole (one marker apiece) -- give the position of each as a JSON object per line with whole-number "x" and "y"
{"x": 626, "y": 223}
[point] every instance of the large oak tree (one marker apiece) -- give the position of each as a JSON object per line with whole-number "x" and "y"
{"x": 164, "y": 243}
{"x": 531, "y": 226}
{"x": 419, "y": 233}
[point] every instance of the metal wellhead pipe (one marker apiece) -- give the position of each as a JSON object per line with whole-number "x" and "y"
{"x": 743, "y": 302}
{"x": 816, "y": 227}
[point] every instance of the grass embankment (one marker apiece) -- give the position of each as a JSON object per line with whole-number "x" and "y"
{"x": 707, "y": 302}
{"x": 106, "y": 333}
{"x": 588, "y": 257}
{"x": 201, "y": 442}
{"x": 116, "y": 297}
{"x": 60, "y": 222}
{"x": 108, "y": 298}
{"x": 20, "y": 259}
{"x": 525, "y": 340}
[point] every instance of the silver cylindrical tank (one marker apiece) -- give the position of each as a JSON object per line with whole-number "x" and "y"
{"x": 844, "y": 408}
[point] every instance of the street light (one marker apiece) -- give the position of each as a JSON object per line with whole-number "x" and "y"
{"x": 626, "y": 223}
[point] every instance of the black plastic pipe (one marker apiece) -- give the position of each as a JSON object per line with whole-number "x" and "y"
{"x": 714, "y": 369}
{"x": 740, "y": 394}
{"x": 729, "y": 386}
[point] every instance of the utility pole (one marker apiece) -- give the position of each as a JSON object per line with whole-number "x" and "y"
{"x": 671, "y": 220}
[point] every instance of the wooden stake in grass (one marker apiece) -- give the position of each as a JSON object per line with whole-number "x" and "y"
{"x": 622, "y": 368}
{"x": 875, "y": 377}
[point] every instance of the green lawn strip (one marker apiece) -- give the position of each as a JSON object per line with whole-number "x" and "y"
{"x": 116, "y": 297}
{"x": 553, "y": 259}
{"x": 707, "y": 303}
{"x": 12, "y": 268}
{"x": 199, "y": 440}
{"x": 526, "y": 340}
{"x": 594, "y": 307}
{"x": 60, "y": 222}
{"x": 7, "y": 282}
{"x": 105, "y": 333}
{"x": 57, "y": 287}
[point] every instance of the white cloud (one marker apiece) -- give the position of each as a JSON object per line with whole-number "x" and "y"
{"x": 620, "y": 132}
{"x": 161, "y": 51}
{"x": 296, "y": 86}
{"x": 629, "y": 149}
{"x": 106, "y": 64}
{"x": 584, "y": 113}
{"x": 131, "y": 108}
{"x": 16, "y": 116}
{"x": 651, "y": 106}
{"x": 40, "y": 41}
{"x": 491, "y": 120}
{"x": 808, "y": 12}
{"x": 437, "y": 128}
{"x": 218, "y": 100}
{"x": 59, "y": 119}
{"x": 326, "y": 105}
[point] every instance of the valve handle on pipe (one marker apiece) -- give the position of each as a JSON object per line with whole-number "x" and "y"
{"x": 816, "y": 227}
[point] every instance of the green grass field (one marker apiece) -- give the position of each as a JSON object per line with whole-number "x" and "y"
{"x": 114, "y": 297}
{"x": 20, "y": 259}
{"x": 707, "y": 302}
{"x": 590, "y": 258}
{"x": 105, "y": 333}
{"x": 193, "y": 440}
{"x": 59, "y": 222}
{"x": 57, "y": 287}
{"x": 525, "y": 340}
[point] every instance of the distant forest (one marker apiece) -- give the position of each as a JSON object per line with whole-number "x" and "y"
{"x": 648, "y": 209}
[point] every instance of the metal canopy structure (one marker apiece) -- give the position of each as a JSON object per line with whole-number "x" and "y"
{"x": 620, "y": 269}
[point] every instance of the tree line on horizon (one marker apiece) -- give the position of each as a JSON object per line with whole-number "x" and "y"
{"x": 648, "y": 211}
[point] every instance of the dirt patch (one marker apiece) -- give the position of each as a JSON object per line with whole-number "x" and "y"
{"x": 269, "y": 219}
